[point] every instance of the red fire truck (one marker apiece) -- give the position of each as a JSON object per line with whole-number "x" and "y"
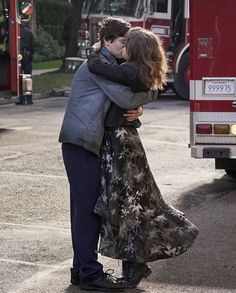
{"x": 12, "y": 12}
{"x": 168, "y": 18}
{"x": 213, "y": 82}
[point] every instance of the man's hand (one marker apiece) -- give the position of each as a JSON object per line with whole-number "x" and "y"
{"x": 132, "y": 115}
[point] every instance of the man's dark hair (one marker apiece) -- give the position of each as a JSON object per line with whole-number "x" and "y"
{"x": 112, "y": 28}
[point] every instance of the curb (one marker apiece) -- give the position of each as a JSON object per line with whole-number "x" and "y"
{"x": 39, "y": 96}
{"x": 64, "y": 92}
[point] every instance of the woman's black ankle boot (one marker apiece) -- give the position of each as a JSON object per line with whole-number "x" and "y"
{"x": 134, "y": 272}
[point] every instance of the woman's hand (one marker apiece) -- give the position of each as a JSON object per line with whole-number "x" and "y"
{"x": 132, "y": 115}
{"x": 97, "y": 46}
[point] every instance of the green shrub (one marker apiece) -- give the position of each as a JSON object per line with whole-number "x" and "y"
{"x": 46, "y": 48}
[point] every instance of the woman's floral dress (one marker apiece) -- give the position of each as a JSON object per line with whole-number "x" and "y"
{"x": 137, "y": 224}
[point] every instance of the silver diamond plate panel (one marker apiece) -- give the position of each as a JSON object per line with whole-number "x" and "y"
{"x": 206, "y": 139}
{"x": 229, "y": 117}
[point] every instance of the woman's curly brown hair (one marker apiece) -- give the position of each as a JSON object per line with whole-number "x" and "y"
{"x": 145, "y": 49}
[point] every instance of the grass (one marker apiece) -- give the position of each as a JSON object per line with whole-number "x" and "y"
{"x": 48, "y": 64}
{"x": 48, "y": 81}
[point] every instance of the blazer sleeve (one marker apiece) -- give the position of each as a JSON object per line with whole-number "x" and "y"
{"x": 125, "y": 73}
{"x": 122, "y": 95}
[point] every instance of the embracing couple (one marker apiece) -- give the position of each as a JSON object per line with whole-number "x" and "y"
{"x": 113, "y": 195}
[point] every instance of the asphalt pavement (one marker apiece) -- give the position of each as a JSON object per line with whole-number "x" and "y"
{"x": 35, "y": 254}
{"x": 41, "y": 71}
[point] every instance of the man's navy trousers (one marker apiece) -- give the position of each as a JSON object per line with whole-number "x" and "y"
{"x": 83, "y": 172}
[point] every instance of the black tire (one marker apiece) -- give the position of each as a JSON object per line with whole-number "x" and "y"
{"x": 231, "y": 172}
{"x": 181, "y": 79}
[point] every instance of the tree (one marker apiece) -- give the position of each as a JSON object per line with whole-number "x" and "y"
{"x": 71, "y": 27}
{"x": 33, "y": 19}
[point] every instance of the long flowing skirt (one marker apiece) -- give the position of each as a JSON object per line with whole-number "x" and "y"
{"x": 137, "y": 224}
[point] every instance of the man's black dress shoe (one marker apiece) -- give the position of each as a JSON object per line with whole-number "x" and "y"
{"x": 19, "y": 103}
{"x": 132, "y": 273}
{"x": 74, "y": 277}
{"x": 105, "y": 283}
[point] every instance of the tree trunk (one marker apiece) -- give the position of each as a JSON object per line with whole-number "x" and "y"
{"x": 33, "y": 19}
{"x": 71, "y": 27}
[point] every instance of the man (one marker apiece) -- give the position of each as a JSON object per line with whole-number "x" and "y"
{"x": 81, "y": 136}
{"x": 3, "y": 39}
{"x": 27, "y": 52}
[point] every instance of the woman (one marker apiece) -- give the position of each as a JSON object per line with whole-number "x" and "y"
{"x": 138, "y": 225}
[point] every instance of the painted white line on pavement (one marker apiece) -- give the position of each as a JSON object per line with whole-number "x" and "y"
{"x": 163, "y": 126}
{"x": 14, "y": 156}
{"x": 36, "y": 279}
{"x": 163, "y": 142}
{"x": 20, "y": 128}
{"x": 27, "y": 263}
{"x": 34, "y": 226}
{"x": 32, "y": 175}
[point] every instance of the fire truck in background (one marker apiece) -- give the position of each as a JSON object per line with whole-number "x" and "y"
{"x": 213, "y": 82}
{"x": 12, "y": 83}
{"x": 167, "y": 18}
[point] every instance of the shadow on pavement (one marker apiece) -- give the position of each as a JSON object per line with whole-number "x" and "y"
{"x": 212, "y": 261}
{"x": 76, "y": 289}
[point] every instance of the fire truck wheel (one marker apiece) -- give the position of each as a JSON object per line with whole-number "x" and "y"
{"x": 181, "y": 79}
{"x": 231, "y": 172}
